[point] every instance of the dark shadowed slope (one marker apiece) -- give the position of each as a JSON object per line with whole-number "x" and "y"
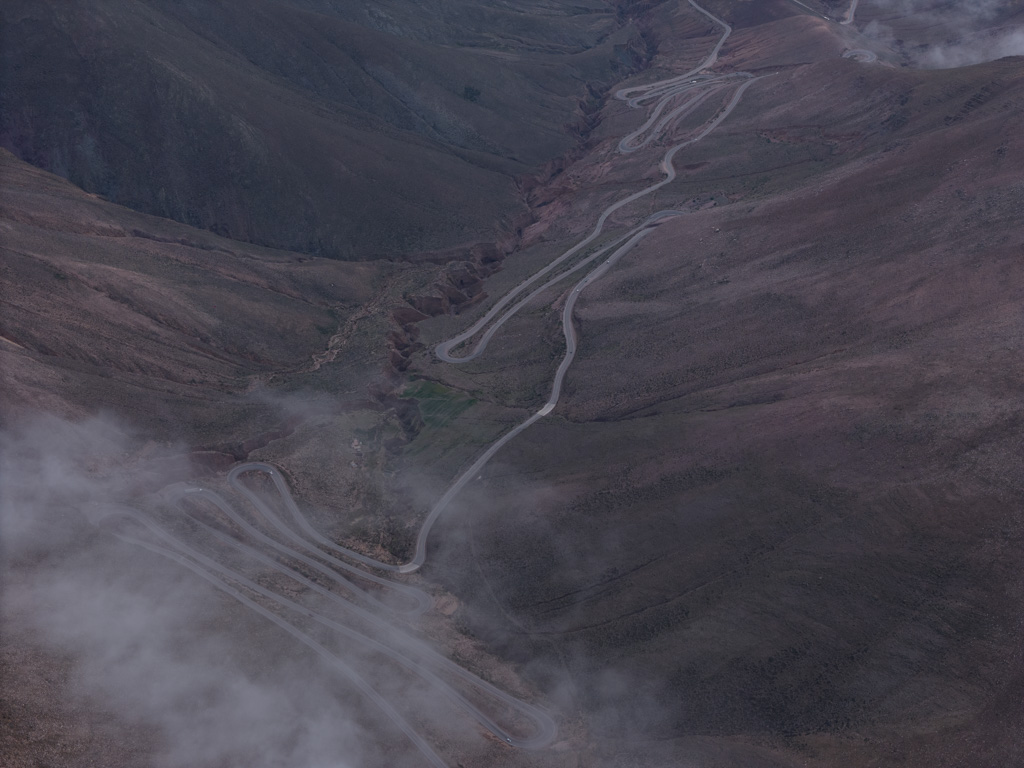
{"x": 344, "y": 129}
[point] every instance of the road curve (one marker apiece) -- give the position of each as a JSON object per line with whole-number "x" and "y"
{"x": 848, "y": 18}
{"x": 293, "y": 510}
{"x": 414, "y": 655}
{"x": 335, "y": 661}
{"x": 444, "y": 349}
{"x": 420, "y": 602}
{"x": 862, "y": 55}
{"x": 623, "y": 93}
{"x": 630, "y": 144}
{"x": 300, "y": 542}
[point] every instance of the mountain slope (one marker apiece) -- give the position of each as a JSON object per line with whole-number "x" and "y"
{"x": 108, "y": 309}
{"x": 318, "y": 127}
{"x": 774, "y": 520}
{"x": 781, "y": 503}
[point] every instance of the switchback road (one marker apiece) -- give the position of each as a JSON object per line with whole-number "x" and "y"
{"x": 365, "y": 608}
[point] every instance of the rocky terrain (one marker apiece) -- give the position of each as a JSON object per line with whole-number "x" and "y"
{"x": 774, "y": 519}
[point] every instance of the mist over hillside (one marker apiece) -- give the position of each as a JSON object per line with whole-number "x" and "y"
{"x": 511, "y": 384}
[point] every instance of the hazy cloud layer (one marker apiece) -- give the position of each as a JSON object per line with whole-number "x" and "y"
{"x": 970, "y": 36}
{"x": 186, "y": 614}
{"x": 148, "y": 636}
{"x": 969, "y": 10}
{"x": 987, "y": 47}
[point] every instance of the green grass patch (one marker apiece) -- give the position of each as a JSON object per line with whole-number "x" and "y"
{"x": 439, "y": 405}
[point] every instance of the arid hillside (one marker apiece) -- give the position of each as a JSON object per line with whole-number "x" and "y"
{"x": 779, "y": 504}
{"x": 106, "y": 309}
{"x": 773, "y": 519}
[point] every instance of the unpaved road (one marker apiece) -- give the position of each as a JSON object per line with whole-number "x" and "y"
{"x": 293, "y": 539}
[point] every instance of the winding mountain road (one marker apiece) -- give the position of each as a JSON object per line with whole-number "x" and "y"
{"x": 416, "y": 656}
{"x": 279, "y": 543}
{"x": 654, "y": 89}
{"x": 848, "y": 18}
{"x": 862, "y": 55}
{"x": 702, "y": 90}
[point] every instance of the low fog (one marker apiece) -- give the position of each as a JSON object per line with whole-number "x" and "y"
{"x": 972, "y": 34}
{"x": 147, "y": 638}
{"x": 188, "y": 615}
{"x": 975, "y": 50}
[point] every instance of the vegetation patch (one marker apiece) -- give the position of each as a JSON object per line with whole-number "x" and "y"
{"x": 439, "y": 405}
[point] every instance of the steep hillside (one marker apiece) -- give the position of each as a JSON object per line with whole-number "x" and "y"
{"x": 347, "y": 130}
{"x": 773, "y": 520}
